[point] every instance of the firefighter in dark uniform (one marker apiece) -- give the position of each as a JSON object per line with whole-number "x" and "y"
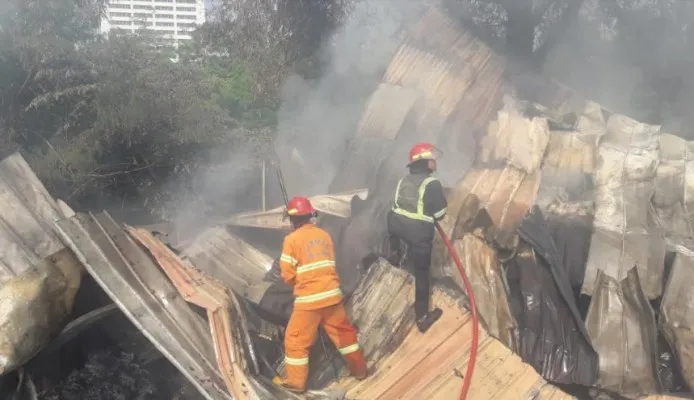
{"x": 419, "y": 202}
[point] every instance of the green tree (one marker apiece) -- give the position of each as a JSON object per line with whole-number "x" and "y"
{"x": 98, "y": 116}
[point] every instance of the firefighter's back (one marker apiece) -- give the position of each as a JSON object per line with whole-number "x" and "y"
{"x": 317, "y": 282}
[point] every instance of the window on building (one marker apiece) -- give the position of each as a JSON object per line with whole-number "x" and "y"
{"x": 185, "y": 1}
{"x": 183, "y": 8}
{"x": 165, "y": 24}
{"x": 119, "y": 6}
{"x": 119, "y": 14}
{"x": 140, "y": 7}
{"x": 189, "y": 17}
{"x": 164, "y": 8}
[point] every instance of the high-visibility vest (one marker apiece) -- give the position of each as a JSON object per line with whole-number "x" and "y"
{"x": 409, "y": 198}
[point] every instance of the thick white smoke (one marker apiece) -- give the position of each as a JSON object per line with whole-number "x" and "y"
{"x": 317, "y": 118}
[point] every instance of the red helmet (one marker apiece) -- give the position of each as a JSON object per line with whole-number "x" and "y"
{"x": 422, "y": 151}
{"x": 299, "y": 206}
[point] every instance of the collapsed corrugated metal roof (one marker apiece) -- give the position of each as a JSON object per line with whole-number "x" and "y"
{"x": 130, "y": 278}
{"x": 595, "y": 165}
{"x": 523, "y": 217}
{"x": 457, "y": 80}
{"x": 214, "y": 250}
{"x": 677, "y": 311}
{"x": 39, "y": 277}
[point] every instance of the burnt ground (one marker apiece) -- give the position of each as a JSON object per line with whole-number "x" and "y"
{"x": 111, "y": 360}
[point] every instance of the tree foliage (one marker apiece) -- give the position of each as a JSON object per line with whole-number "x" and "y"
{"x": 115, "y": 115}
{"x": 96, "y": 115}
{"x": 272, "y": 36}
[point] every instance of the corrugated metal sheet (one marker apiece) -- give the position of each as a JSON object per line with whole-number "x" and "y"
{"x": 27, "y": 213}
{"x": 443, "y": 36}
{"x": 469, "y": 226}
{"x": 624, "y": 185}
{"x": 39, "y": 277}
{"x": 507, "y": 194}
{"x": 674, "y": 185}
{"x": 625, "y": 264}
{"x": 621, "y": 325}
{"x": 516, "y": 140}
{"x": 677, "y": 312}
{"x": 338, "y": 205}
{"x": 574, "y": 151}
{"x": 440, "y": 83}
{"x": 232, "y": 261}
{"x": 488, "y": 283}
{"x": 425, "y": 366}
{"x": 130, "y": 278}
{"x": 233, "y": 347}
{"x": 458, "y": 81}
{"x": 387, "y": 111}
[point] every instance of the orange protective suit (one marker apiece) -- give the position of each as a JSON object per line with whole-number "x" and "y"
{"x": 308, "y": 265}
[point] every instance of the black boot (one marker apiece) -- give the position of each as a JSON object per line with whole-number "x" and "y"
{"x": 424, "y": 323}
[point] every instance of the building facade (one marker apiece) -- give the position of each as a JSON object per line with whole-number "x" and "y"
{"x": 170, "y": 21}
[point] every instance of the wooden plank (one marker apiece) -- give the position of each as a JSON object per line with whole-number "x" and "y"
{"x": 424, "y": 365}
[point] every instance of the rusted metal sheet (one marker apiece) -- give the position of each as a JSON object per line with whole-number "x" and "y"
{"x": 507, "y": 194}
{"x": 488, "y": 283}
{"x": 332, "y": 204}
{"x": 469, "y": 226}
{"x": 228, "y": 325}
{"x": 677, "y": 311}
{"x": 424, "y": 367}
{"x": 139, "y": 288}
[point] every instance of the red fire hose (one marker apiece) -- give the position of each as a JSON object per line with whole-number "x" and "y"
{"x": 473, "y": 309}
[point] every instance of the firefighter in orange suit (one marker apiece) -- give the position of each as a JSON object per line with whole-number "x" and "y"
{"x": 307, "y": 264}
{"x": 419, "y": 202}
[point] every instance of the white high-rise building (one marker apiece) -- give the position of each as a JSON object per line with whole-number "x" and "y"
{"x": 170, "y": 20}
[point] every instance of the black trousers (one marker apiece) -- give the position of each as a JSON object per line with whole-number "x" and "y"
{"x": 419, "y": 249}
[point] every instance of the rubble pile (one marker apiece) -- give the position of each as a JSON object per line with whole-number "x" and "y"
{"x": 551, "y": 204}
